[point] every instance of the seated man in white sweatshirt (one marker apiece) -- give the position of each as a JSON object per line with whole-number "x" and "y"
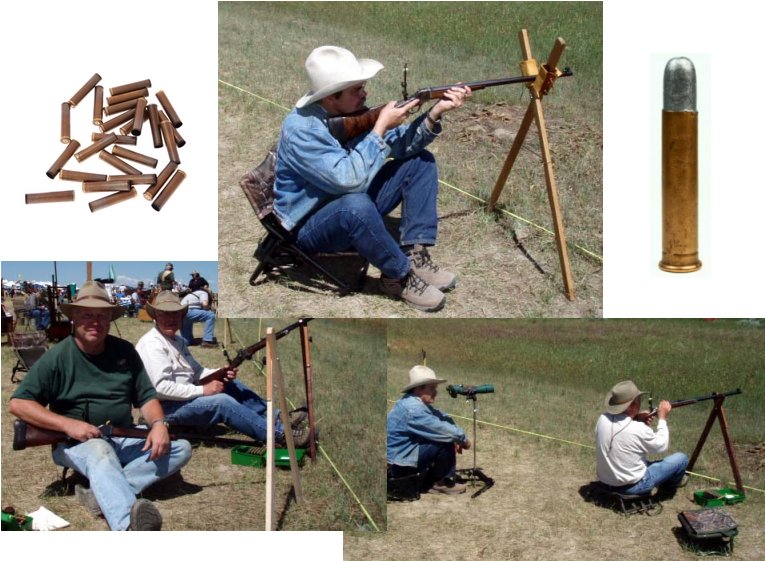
{"x": 624, "y": 438}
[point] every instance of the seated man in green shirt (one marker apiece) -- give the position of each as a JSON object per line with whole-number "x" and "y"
{"x": 89, "y": 379}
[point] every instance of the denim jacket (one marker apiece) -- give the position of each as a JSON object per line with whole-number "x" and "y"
{"x": 412, "y": 422}
{"x": 313, "y": 167}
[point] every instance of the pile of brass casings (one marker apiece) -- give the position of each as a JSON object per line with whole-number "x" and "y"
{"x": 127, "y": 107}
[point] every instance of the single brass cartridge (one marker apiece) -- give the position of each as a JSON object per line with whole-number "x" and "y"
{"x": 679, "y": 168}
{"x": 163, "y": 176}
{"x": 97, "y": 146}
{"x": 112, "y": 199}
{"x": 101, "y": 186}
{"x": 83, "y": 91}
{"x": 67, "y": 175}
{"x": 121, "y": 138}
{"x": 68, "y": 152}
{"x": 169, "y": 189}
{"x": 135, "y": 179}
{"x": 168, "y": 107}
{"x": 127, "y": 96}
{"x": 49, "y": 197}
{"x": 65, "y": 123}
{"x": 154, "y": 123}
{"x": 120, "y": 107}
{"x": 170, "y": 141}
{"x": 134, "y": 156}
{"x": 130, "y": 87}
{"x": 117, "y": 120}
{"x": 121, "y": 165}
{"x": 138, "y": 120}
{"x": 98, "y": 105}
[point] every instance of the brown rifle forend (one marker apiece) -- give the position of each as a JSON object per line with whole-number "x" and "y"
{"x": 247, "y": 353}
{"x": 692, "y": 401}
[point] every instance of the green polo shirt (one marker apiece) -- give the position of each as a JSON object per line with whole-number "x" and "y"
{"x": 92, "y": 388}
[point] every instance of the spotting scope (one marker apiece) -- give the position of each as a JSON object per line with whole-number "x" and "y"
{"x": 455, "y": 390}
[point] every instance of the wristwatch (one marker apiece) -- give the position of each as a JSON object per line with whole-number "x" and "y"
{"x": 163, "y": 421}
{"x": 432, "y": 120}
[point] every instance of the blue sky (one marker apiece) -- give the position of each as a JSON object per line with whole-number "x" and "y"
{"x": 127, "y": 272}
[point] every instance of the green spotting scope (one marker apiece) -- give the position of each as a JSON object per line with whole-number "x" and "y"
{"x": 455, "y": 390}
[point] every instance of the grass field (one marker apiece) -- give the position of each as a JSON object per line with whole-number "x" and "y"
{"x": 535, "y": 434}
{"x": 507, "y": 265}
{"x": 348, "y": 364}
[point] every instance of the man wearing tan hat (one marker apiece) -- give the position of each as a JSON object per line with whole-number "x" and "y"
{"x": 421, "y": 437}
{"x": 176, "y": 374}
{"x": 334, "y": 196}
{"x": 624, "y": 438}
{"x": 92, "y": 379}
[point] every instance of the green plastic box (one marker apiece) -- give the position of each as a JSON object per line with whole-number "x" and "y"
{"x": 12, "y": 522}
{"x": 244, "y": 455}
{"x": 718, "y": 497}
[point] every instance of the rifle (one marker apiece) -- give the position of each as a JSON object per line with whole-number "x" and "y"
{"x": 26, "y": 435}
{"x": 247, "y": 353}
{"x": 693, "y": 400}
{"x": 345, "y": 127}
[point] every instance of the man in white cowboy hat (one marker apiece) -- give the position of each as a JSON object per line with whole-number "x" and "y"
{"x": 421, "y": 437}
{"x": 624, "y": 438}
{"x": 176, "y": 374}
{"x": 334, "y": 196}
{"x": 91, "y": 379}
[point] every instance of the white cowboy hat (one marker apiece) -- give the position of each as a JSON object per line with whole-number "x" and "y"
{"x": 332, "y": 69}
{"x": 422, "y": 376}
{"x": 621, "y": 396}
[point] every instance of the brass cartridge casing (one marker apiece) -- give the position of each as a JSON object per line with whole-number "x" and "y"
{"x": 117, "y": 120}
{"x": 163, "y": 176}
{"x": 169, "y": 189}
{"x": 49, "y": 197}
{"x": 154, "y": 123}
{"x": 65, "y": 123}
{"x": 119, "y": 107}
{"x": 679, "y": 169}
{"x": 170, "y": 141}
{"x": 128, "y": 128}
{"x": 135, "y": 179}
{"x": 67, "y": 175}
{"x": 101, "y": 186}
{"x": 138, "y": 119}
{"x": 98, "y": 105}
{"x": 168, "y": 107}
{"x": 116, "y": 162}
{"x": 68, "y": 152}
{"x": 97, "y": 146}
{"x": 112, "y": 199}
{"x": 121, "y": 138}
{"x": 135, "y": 156}
{"x": 130, "y": 87}
{"x": 119, "y": 98}
{"x": 179, "y": 139}
{"x": 83, "y": 91}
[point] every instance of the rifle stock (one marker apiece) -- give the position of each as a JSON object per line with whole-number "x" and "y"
{"x": 248, "y": 352}
{"x": 26, "y": 435}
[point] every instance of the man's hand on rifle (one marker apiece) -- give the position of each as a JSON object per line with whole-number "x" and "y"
{"x": 158, "y": 440}
{"x": 453, "y": 98}
{"x": 664, "y": 409}
{"x": 80, "y": 430}
{"x": 392, "y": 116}
{"x": 212, "y": 387}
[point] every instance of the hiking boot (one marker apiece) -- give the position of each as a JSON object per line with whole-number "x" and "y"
{"x": 420, "y": 261}
{"x": 300, "y": 438}
{"x": 144, "y": 516}
{"x": 87, "y": 499}
{"x": 298, "y": 416}
{"x": 209, "y": 345}
{"x": 447, "y": 487}
{"x": 414, "y": 291}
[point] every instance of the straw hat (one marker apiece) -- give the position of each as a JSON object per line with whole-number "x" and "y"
{"x": 621, "y": 396}
{"x": 332, "y": 69}
{"x": 422, "y": 376}
{"x": 92, "y": 294}
{"x": 166, "y": 301}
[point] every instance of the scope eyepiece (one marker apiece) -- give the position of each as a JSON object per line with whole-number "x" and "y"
{"x": 455, "y": 390}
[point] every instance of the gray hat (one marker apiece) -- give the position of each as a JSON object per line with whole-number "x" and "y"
{"x": 166, "y": 301}
{"x": 92, "y": 294}
{"x": 621, "y": 396}
{"x": 422, "y": 376}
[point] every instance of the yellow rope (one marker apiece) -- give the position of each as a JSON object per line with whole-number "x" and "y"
{"x": 544, "y": 229}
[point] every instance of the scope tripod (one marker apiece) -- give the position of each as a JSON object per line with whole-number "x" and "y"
{"x": 475, "y": 474}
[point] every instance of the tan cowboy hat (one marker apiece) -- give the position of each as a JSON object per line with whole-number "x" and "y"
{"x": 332, "y": 69}
{"x": 165, "y": 301}
{"x": 621, "y": 396}
{"x": 422, "y": 376}
{"x": 92, "y": 294}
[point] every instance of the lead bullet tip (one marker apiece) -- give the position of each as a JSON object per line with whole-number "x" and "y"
{"x": 680, "y": 85}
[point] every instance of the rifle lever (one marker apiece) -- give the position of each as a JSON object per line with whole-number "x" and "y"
{"x": 405, "y": 95}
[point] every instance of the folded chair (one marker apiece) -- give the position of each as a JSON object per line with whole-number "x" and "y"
{"x": 278, "y": 248}
{"x": 28, "y": 347}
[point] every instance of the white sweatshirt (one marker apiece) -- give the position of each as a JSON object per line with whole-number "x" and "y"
{"x": 622, "y": 445}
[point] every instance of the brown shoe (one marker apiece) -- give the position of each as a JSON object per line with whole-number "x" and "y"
{"x": 420, "y": 260}
{"x": 415, "y": 291}
{"x": 209, "y": 345}
{"x": 144, "y": 516}
{"x": 447, "y": 487}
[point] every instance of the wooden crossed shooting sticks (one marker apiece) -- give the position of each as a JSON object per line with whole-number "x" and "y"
{"x": 547, "y": 75}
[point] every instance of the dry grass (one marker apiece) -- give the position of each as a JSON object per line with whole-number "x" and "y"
{"x": 506, "y": 267}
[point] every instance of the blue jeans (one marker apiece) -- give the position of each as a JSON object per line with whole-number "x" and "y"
{"x": 436, "y": 460}
{"x": 42, "y": 318}
{"x": 237, "y": 407}
{"x": 356, "y": 219}
{"x": 118, "y": 470}
{"x": 667, "y": 472}
{"x": 195, "y": 315}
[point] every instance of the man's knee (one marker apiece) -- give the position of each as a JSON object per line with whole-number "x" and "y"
{"x": 679, "y": 459}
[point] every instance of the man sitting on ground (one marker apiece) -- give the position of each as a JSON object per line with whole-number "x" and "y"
{"x": 89, "y": 379}
{"x": 423, "y": 438}
{"x": 198, "y": 310}
{"x": 176, "y": 375}
{"x": 624, "y": 437}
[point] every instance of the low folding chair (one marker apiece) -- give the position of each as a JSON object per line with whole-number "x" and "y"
{"x": 28, "y": 346}
{"x": 625, "y": 503}
{"x": 278, "y": 248}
